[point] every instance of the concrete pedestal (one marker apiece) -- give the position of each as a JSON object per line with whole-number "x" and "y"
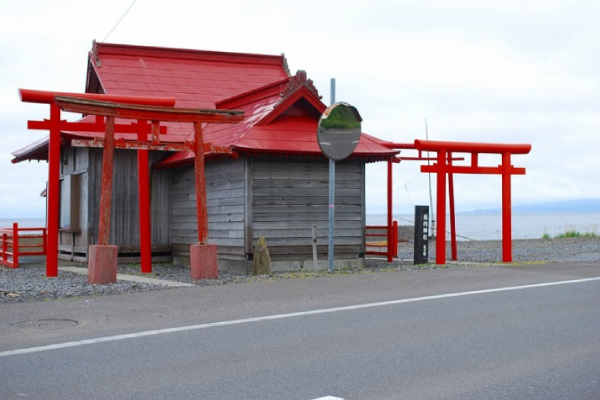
{"x": 203, "y": 261}
{"x": 102, "y": 264}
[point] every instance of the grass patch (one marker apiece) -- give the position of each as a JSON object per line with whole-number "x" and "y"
{"x": 575, "y": 234}
{"x": 571, "y": 234}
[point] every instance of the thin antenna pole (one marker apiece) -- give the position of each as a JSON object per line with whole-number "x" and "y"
{"x": 430, "y": 196}
{"x": 332, "y": 91}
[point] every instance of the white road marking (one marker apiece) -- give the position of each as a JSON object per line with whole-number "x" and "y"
{"x": 280, "y": 316}
{"x": 329, "y": 398}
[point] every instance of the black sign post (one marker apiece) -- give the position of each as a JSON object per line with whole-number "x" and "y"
{"x": 421, "y": 232}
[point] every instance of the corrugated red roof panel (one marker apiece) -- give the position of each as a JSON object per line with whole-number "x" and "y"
{"x": 281, "y": 112}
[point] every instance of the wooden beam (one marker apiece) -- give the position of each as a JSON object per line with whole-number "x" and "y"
{"x": 149, "y": 113}
{"x": 135, "y": 145}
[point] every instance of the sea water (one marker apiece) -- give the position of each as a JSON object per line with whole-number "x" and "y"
{"x": 23, "y": 222}
{"x": 525, "y": 225}
{"x": 469, "y": 226}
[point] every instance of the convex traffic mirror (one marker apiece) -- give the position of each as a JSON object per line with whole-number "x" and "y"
{"x": 339, "y": 131}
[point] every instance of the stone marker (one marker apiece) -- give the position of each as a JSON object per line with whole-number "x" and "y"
{"x": 261, "y": 263}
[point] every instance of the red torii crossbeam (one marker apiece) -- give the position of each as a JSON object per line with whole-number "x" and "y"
{"x": 444, "y": 166}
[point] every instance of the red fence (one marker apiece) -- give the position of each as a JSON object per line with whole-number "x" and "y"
{"x": 391, "y": 240}
{"x": 11, "y": 248}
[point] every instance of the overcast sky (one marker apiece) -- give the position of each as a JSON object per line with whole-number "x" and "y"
{"x": 489, "y": 71}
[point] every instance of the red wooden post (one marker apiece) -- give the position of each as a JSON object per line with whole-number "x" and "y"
{"x": 45, "y": 241}
{"x": 4, "y": 246}
{"x": 440, "y": 240}
{"x": 395, "y": 254}
{"x": 506, "y": 209}
{"x": 107, "y": 181}
{"x": 200, "y": 184}
{"x": 102, "y": 258}
{"x": 452, "y": 211}
{"x": 144, "y": 200}
{"x": 155, "y": 132}
{"x": 15, "y": 245}
{"x": 53, "y": 191}
{"x": 203, "y": 256}
{"x": 389, "y": 212}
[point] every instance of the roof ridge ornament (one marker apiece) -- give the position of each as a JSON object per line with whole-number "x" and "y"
{"x": 285, "y": 65}
{"x": 95, "y": 53}
{"x": 297, "y": 81}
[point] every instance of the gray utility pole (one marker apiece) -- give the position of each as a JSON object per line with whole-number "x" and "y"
{"x": 331, "y": 225}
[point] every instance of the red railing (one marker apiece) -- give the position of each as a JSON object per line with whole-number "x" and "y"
{"x": 391, "y": 240}
{"x": 11, "y": 249}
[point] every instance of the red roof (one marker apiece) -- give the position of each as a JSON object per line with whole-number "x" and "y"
{"x": 281, "y": 111}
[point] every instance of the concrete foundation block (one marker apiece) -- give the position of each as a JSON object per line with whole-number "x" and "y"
{"x": 102, "y": 264}
{"x": 203, "y": 261}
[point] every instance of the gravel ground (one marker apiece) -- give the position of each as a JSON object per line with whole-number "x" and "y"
{"x": 29, "y": 282}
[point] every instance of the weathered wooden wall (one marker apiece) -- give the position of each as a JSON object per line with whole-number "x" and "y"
{"x": 290, "y": 195}
{"x": 74, "y": 162}
{"x": 278, "y": 198}
{"x": 87, "y": 162}
{"x": 225, "y": 191}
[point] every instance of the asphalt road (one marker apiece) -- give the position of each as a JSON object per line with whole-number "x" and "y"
{"x": 459, "y": 333}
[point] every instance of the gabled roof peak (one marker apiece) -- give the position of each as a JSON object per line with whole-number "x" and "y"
{"x": 298, "y": 80}
{"x": 186, "y": 54}
{"x": 283, "y": 88}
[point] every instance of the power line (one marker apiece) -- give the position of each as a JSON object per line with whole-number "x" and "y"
{"x": 119, "y": 21}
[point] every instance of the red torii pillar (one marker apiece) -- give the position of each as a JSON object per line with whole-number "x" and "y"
{"x": 55, "y": 125}
{"x": 444, "y": 166}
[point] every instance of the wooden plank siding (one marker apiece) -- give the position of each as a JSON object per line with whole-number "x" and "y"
{"x": 225, "y": 194}
{"x": 74, "y": 163}
{"x": 279, "y": 198}
{"x": 124, "y": 232}
{"x": 290, "y": 195}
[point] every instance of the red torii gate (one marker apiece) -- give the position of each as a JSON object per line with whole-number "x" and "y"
{"x": 55, "y": 125}
{"x": 127, "y": 107}
{"x": 444, "y": 166}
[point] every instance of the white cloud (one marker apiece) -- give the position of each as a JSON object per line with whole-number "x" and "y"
{"x": 499, "y": 71}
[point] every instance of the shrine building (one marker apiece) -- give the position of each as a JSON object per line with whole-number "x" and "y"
{"x": 272, "y": 182}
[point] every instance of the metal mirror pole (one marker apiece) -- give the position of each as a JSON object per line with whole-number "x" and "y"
{"x": 331, "y": 214}
{"x": 331, "y": 224}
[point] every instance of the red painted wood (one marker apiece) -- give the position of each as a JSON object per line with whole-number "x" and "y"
{"x": 440, "y": 240}
{"x": 390, "y": 239}
{"x": 200, "y": 182}
{"x": 4, "y": 249}
{"x": 47, "y": 97}
{"x": 144, "y": 200}
{"x": 506, "y": 209}
{"x": 441, "y": 168}
{"x": 203, "y": 261}
{"x": 102, "y": 264}
{"x": 53, "y": 194}
{"x": 452, "y": 212}
{"x": 472, "y": 147}
{"x": 15, "y": 245}
{"x": 149, "y": 113}
{"x": 107, "y": 181}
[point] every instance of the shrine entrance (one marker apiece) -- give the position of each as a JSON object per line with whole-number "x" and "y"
{"x": 102, "y": 258}
{"x": 444, "y": 169}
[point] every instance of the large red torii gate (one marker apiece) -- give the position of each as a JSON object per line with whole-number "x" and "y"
{"x": 55, "y": 125}
{"x": 443, "y": 166}
{"x": 125, "y": 107}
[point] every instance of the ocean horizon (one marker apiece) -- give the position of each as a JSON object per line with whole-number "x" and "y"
{"x": 487, "y": 225}
{"x": 481, "y": 225}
